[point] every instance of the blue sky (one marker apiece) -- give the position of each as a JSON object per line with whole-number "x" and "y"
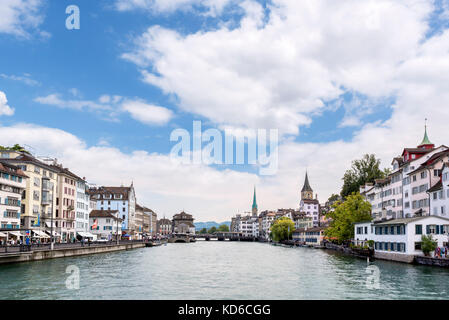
{"x": 89, "y": 61}
{"x": 336, "y": 80}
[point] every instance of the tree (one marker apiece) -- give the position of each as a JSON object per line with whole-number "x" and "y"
{"x": 282, "y": 229}
{"x": 223, "y": 228}
{"x": 203, "y": 231}
{"x": 212, "y": 230}
{"x": 346, "y": 214}
{"x": 16, "y": 147}
{"x": 362, "y": 171}
{"x": 428, "y": 244}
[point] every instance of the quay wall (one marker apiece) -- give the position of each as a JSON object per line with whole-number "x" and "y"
{"x": 429, "y": 261}
{"x": 397, "y": 257}
{"x": 65, "y": 252}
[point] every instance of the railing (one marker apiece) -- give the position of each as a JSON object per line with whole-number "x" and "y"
{"x": 19, "y": 248}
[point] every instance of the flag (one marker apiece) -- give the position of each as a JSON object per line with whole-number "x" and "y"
{"x": 37, "y": 223}
{"x": 95, "y": 225}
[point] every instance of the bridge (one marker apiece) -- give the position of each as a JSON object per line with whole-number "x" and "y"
{"x": 222, "y": 236}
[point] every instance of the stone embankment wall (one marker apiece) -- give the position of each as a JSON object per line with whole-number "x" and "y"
{"x": 362, "y": 253}
{"x": 429, "y": 261}
{"x": 66, "y": 252}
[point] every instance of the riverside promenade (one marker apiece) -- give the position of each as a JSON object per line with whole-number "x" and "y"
{"x": 34, "y": 252}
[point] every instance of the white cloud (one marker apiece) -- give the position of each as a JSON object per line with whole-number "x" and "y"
{"x": 146, "y": 113}
{"x": 163, "y": 185}
{"x": 111, "y": 107}
{"x": 19, "y": 17}
{"x": 277, "y": 70}
{"x": 213, "y": 7}
{"x": 4, "y": 108}
{"x": 57, "y": 101}
{"x": 26, "y": 78}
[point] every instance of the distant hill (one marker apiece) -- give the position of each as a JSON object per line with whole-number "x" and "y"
{"x": 210, "y": 224}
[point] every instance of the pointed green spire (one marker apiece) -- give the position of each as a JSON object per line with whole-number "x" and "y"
{"x": 254, "y": 199}
{"x": 425, "y": 140}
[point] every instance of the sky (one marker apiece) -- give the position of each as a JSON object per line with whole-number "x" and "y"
{"x": 337, "y": 79}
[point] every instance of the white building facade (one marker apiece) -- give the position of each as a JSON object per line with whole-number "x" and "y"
{"x": 82, "y": 207}
{"x": 402, "y": 237}
{"x": 12, "y": 184}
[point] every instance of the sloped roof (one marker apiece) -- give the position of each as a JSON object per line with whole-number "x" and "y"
{"x": 306, "y": 186}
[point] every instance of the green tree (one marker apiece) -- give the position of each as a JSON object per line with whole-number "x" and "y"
{"x": 428, "y": 244}
{"x": 212, "y": 230}
{"x": 362, "y": 171}
{"x": 354, "y": 209}
{"x": 203, "y": 231}
{"x": 223, "y": 228}
{"x": 16, "y": 147}
{"x": 282, "y": 229}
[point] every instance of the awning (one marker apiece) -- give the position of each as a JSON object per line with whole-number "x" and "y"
{"x": 85, "y": 234}
{"x": 3, "y": 235}
{"x": 15, "y": 233}
{"x": 41, "y": 234}
{"x": 48, "y": 224}
{"x": 55, "y": 233}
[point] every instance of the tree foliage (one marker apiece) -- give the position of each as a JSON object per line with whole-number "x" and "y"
{"x": 362, "y": 171}
{"x": 203, "y": 231}
{"x": 212, "y": 230}
{"x": 282, "y": 229}
{"x": 16, "y": 147}
{"x": 428, "y": 244}
{"x": 223, "y": 228}
{"x": 354, "y": 209}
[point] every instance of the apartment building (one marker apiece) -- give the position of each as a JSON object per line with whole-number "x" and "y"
{"x": 105, "y": 224}
{"x": 439, "y": 194}
{"x": 12, "y": 185}
{"x": 404, "y": 192}
{"x": 83, "y": 207}
{"x": 400, "y": 239}
{"x": 122, "y": 199}
{"x": 66, "y": 199}
{"x": 38, "y": 199}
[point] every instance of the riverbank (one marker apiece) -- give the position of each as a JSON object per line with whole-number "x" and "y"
{"x": 36, "y": 255}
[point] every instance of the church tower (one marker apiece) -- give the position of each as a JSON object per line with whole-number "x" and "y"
{"x": 254, "y": 207}
{"x": 426, "y": 144}
{"x": 306, "y": 192}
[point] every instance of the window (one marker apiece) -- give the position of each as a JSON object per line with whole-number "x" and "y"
{"x": 418, "y": 229}
{"x": 417, "y": 245}
{"x": 423, "y": 174}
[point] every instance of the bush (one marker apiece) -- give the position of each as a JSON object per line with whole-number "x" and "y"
{"x": 428, "y": 244}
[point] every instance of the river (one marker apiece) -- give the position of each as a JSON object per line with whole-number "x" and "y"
{"x": 221, "y": 270}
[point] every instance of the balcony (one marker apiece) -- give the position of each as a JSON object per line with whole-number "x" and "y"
{"x": 46, "y": 184}
{"x": 47, "y": 198}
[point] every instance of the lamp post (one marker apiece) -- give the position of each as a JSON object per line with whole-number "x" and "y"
{"x": 51, "y": 219}
{"x": 116, "y": 233}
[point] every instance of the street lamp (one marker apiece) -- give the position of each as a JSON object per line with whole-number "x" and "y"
{"x": 51, "y": 219}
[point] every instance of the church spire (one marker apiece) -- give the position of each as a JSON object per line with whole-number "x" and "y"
{"x": 254, "y": 207}
{"x": 307, "y": 192}
{"x": 306, "y": 186}
{"x": 426, "y": 142}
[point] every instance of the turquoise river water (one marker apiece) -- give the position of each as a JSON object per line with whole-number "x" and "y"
{"x": 220, "y": 270}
